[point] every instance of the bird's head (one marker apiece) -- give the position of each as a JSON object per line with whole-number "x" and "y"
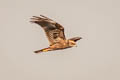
{"x": 71, "y": 43}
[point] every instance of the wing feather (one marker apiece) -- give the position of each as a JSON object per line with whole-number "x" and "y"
{"x": 53, "y": 30}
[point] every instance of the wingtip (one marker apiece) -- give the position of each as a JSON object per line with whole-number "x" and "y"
{"x": 35, "y": 19}
{"x": 31, "y": 21}
{"x": 42, "y": 15}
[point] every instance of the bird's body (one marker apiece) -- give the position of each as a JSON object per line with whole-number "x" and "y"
{"x": 54, "y": 33}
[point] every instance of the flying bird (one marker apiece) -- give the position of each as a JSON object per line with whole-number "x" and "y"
{"x": 55, "y": 34}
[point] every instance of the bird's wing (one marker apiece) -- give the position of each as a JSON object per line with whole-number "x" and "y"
{"x": 53, "y": 30}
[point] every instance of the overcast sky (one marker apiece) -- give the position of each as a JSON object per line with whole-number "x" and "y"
{"x": 97, "y": 56}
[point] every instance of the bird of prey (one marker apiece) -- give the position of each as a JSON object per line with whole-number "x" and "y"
{"x": 55, "y": 34}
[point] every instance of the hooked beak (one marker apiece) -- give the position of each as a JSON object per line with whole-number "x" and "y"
{"x": 81, "y": 38}
{"x": 75, "y": 45}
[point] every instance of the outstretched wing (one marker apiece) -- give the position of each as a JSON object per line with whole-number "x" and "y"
{"x": 53, "y": 30}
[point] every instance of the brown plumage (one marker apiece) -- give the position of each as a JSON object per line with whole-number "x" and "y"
{"x": 54, "y": 33}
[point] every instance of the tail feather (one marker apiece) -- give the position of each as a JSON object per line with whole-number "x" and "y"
{"x": 43, "y": 50}
{"x": 38, "y": 51}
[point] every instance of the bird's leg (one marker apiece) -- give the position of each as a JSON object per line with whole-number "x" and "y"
{"x": 43, "y": 50}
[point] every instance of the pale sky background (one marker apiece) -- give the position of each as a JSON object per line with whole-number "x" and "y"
{"x": 97, "y": 56}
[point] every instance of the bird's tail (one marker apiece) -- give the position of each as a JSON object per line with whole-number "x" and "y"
{"x": 43, "y": 50}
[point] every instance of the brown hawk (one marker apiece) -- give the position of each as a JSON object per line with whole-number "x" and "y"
{"x": 54, "y": 33}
